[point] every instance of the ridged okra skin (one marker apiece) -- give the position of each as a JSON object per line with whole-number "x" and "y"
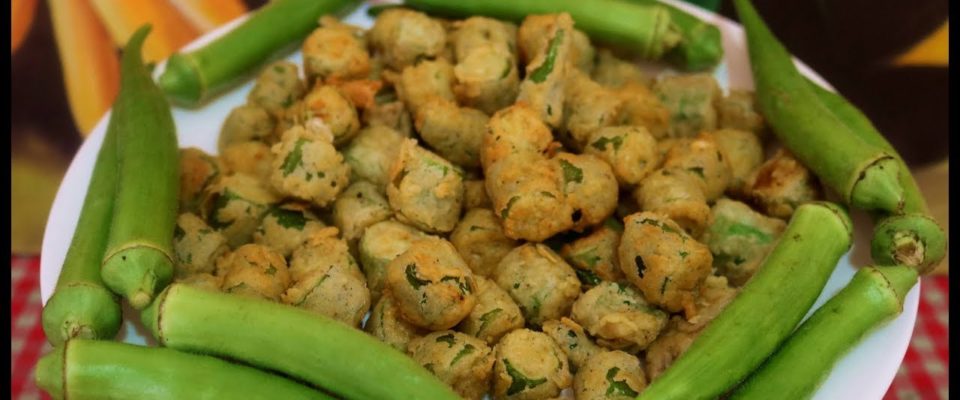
{"x": 701, "y": 44}
{"x": 89, "y": 369}
{"x": 307, "y": 346}
{"x": 765, "y": 312}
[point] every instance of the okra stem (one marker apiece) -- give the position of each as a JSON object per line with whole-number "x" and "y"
{"x": 874, "y": 296}
{"x": 765, "y": 312}
{"x": 307, "y": 346}
{"x": 137, "y": 262}
{"x": 864, "y": 175}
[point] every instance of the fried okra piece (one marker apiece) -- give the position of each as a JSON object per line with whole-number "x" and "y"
{"x": 475, "y": 194}
{"x": 252, "y": 158}
{"x": 527, "y": 195}
{"x": 594, "y": 256}
{"x": 529, "y": 366}
{"x": 572, "y": 339}
{"x": 327, "y": 281}
{"x": 480, "y": 240}
{"x": 779, "y": 185}
{"x": 386, "y": 324}
{"x": 487, "y": 78}
{"x": 277, "y": 87}
{"x": 379, "y": 244}
{"x": 390, "y": 113}
{"x": 610, "y": 375}
{"x": 690, "y": 99}
{"x": 739, "y": 238}
{"x": 477, "y": 31}
{"x": 403, "y": 37}
{"x": 196, "y": 246}
{"x": 234, "y": 205}
{"x": 743, "y": 152}
{"x": 463, "y": 362}
{"x": 432, "y": 285}
{"x": 515, "y": 131}
{"x": 495, "y": 314}
{"x": 630, "y": 150}
{"x": 358, "y": 207}
{"x": 583, "y": 53}
{"x": 205, "y": 281}
{"x": 663, "y": 261}
{"x": 546, "y": 72}
{"x": 618, "y": 316}
{"x": 325, "y": 106}
{"x": 589, "y": 186}
{"x": 424, "y": 81}
{"x": 642, "y": 107}
{"x": 588, "y": 106}
{"x": 533, "y": 40}
{"x": 335, "y": 52}
{"x": 455, "y": 133}
{"x": 736, "y": 110}
{"x": 703, "y": 159}
{"x": 613, "y": 72}
{"x": 675, "y": 194}
{"x": 198, "y": 170}
{"x": 254, "y": 271}
{"x": 246, "y": 123}
{"x": 308, "y": 167}
{"x": 542, "y": 284}
{"x": 286, "y": 227}
{"x": 371, "y": 154}
{"x": 425, "y": 190}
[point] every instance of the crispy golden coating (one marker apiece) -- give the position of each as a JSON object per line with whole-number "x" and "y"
{"x": 572, "y": 339}
{"x": 246, "y": 123}
{"x": 335, "y": 52}
{"x": 326, "y": 280}
{"x": 610, "y": 375}
{"x": 613, "y": 72}
{"x": 487, "y": 78}
{"x": 196, "y": 246}
{"x": 589, "y": 186}
{"x": 736, "y": 110}
{"x": 690, "y": 99}
{"x": 477, "y": 31}
{"x": 618, "y": 316}
{"x": 546, "y": 72}
{"x": 404, "y": 36}
{"x": 198, "y": 170}
{"x": 529, "y": 366}
{"x": 234, "y": 205}
{"x": 459, "y": 360}
{"x": 386, "y": 324}
{"x": 455, "y": 133}
{"x": 424, "y": 81}
{"x": 744, "y": 153}
{"x": 780, "y": 185}
{"x": 495, "y": 314}
{"x": 594, "y": 256}
{"x": 252, "y": 158}
{"x": 642, "y": 107}
{"x": 542, "y": 284}
{"x": 630, "y": 150}
{"x": 588, "y": 106}
{"x": 371, "y": 154}
{"x": 480, "y": 240}
{"x": 308, "y": 167}
{"x": 379, "y": 244}
{"x": 325, "y": 105}
{"x": 255, "y": 271}
{"x": 361, "y": 205}
{"x": 425, "y": 190}
{"x": 739, "y": 239}
{"x": 475, "y": 194}
{"x": 277, "y": 87}
{"x": 284, "y": 228}
{"x": 677, "y": 195}
{"x": 390, "y": 113}
{"x": 703, "y": 159}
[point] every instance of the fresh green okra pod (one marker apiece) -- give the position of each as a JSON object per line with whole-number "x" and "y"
{"x": 765, "y": 312}
{"x": 864, "y": 175}
{"x": 913, "y": 238}
{"x": 89, "y": 369}
{"x": 642, "y": 28}
{"x": 138, "y": 261}
{"x": 701, "y": 44}
{"x": 190, "y": 79}
{"x": 874, "y": 296}
{"x": 307, "y": 346}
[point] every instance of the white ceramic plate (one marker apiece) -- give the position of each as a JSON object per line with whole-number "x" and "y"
{"x": 864, "y": 373}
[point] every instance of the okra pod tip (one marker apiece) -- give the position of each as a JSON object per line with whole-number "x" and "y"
{"x": 49, "y": 374}
{"x": 81, "y": 310}
{"x": 898, "y": 278}
{"x": 913, "y": 239}
{"x": 181, "y": 80}
{"x": 141, "y": 270}
{"x": 878, "y": 187}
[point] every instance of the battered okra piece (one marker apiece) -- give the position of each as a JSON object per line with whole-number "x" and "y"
{"x": 589, "y": 186}
{"x": 703, "y": 159}
{"x": 572, "y": 339}
{"x": 480, "y": 240}
{"x": 690, "y": 99}
{"x": 386, "y": 324}
{"x": 739, "y": 238}
{"x": 204, "y": 281}
{"x": 617, "y": 315}
{"x": 642, "y": 107}
{"x": 529, "y": 366}
{"x": 663, "y": 261}
{"x": 425, "y": 190}
{"x": 736, "y": 110}
{"x": 477, "y": 31}
{"x": 463, "y": 362}
{"x": 286, "y": 227}
{"x": 361, "y": 205}
{"x": 533, "y": 40}
{"x": 196, "y": 246}
{"x": 391, "y": 114}
{"x": 432, "y": 285}
{"x": 335, "y": 52}
{"x": 247, "y": 123}
{"x": 325, "y": 106}
{"x": 630, "y": 150}
{"x": 584, "y": 55}
{"x": 380, "y": 244}
{"x": 252, "y": 158}
{"x": 424, "y": 81}
{"x": 612, "y": 72}
{"x": 495, "y": 314}
{"x": 254, "y": 271}
{"x": 588, "y": 106}
{"x": 610, "y": 375}
{"x": 527, "y": 195}
{"x": 308, "y": 167}
{"x": 743, "y": 152}
{"x": 403, "y": 37}
{"x": 198, "y": 170}
{"x": 542, "y": 284}
{"x": 487, "y": 78}
{"x": 277, "y": 87}
{"x": 664, "y": 146}
{"x": 594, "y": 256}
{"x": 234, "y": 205}
{"x": 780, "y": 185}
{"x": 546, "y": 72}
{"x": 371, "y": 154}
{"x": 326, "y": 280}
{"x": 475, "y": 194}
{"x": 677, "y": 195}
{"x": 455, "y": 133}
